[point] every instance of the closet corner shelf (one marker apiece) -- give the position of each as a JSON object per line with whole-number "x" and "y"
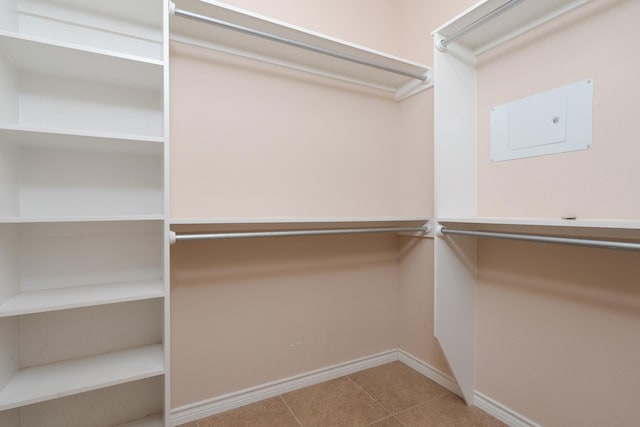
{"x": 41, "y": 383}
{"x": 52, "y": 219}
{"x": 194, "y": 225}
{"x": 238, "y": 43}
{"x": 603, "y": 228}
{"x": 503, "y": 26}
{"x": 82, "y": 296}
{"x": 70, "y": 139}
{"x": 80, "y": 48}
{"x": 41, "y": 56}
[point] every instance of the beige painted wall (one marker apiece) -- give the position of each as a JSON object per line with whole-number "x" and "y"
{"x": 244, "y": 313}
{"x": 268, "y": 141}
{"x": 597, "y": 183}
{"x": 255, "y": 140}
{"x": 558, "y": 327}
{"x": 559, "y": 332}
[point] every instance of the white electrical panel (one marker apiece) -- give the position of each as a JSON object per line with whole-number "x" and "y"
{"x": 556, "y": 121}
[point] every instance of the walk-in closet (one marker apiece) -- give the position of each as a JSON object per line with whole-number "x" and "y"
{"x": 207, "y": 205}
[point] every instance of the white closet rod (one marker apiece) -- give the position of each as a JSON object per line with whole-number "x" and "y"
{"x": 174, "y": 237}
{"x": 442, "y": 43}
{"x": 607, "y": 244}
{"x": 276, "y": 38}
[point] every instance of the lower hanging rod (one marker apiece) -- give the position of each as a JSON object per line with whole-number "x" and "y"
{"x": 606, "y": 244}
{"x": 174, "y": 237}
{"x": 284, "y": 40}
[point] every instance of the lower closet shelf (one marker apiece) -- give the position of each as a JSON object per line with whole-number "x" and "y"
{"x": 41, "y": 383}
{"x": 152, "y": 421}
{"x": 83, "y": 296}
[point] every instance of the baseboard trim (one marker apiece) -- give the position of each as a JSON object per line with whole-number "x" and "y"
{"x": 501, "y": 412}
{"x": 209, "y": 407}
{"x": 429, "y": 371}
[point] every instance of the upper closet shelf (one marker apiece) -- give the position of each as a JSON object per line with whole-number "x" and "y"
{"x": 492, "y": 22}
{"x": 119, "y": 26}
{"x": 216, "y": 25}
{"x": 40, "y": 56}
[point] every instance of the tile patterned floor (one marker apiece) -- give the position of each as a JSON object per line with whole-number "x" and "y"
{"x": 391, "y": 395}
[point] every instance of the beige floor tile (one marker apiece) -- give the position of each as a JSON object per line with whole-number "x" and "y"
{"x": 191, "y": 424}
{"x": 334, "y": 403}
{"x": 387, "y": 422}
{"x": 267, "y": 413}
{"x": 448, "y": 410}
{"x": 396, "y": 386}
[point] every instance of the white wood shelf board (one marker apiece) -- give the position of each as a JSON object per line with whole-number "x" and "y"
{"x": 150, "y": 421}
{"x": 139, "y": 12}
{"x": 517, "y": 20}
{"x": 119, "y": 218}
{"x": 603, "y": 228}
{"x": 90, "y": 141}
{"x": 83, "y": 296}
{"x": 273, "y": 224}
{"x": 190, "y": 31}
{"x": 41, "y": 383}
{"x": 38, "y": 56}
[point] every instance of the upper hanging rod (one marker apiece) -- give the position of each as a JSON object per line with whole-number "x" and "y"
{"x": 442, "y": 43}
{"x": 276, "y": 38}
{"x": 290, "y": 233}
{"x": 607, "y": 244}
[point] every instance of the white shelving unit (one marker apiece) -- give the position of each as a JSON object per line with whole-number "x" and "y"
{"x": 457, "y": 166}
{"x": 286, "y": 54}
{"x": 83, "y": 212}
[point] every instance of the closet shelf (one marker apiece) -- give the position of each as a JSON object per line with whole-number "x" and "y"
{"x": 255, "y": 47}
{"x": 134, "y": 27}
{"x": 492, "y": 22}
{"x": 81, "y": 48}
{"x": 274, "y": 224}
{"x": 39, "y": 56}
{"x": 607, "y": 228}
{"x": 82, "y": 296}
{"x": 151, "y": 421}
{"x": 41, "y": 383}
{"x": 53, "y": 219}
{"x": 80, "y": 140}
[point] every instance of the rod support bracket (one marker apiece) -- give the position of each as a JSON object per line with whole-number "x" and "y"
{"x": 172, "y": 8}
{"x": 440, "y": 230}
{"x": 439, "y": 45}
{"x": 172, "y": 237}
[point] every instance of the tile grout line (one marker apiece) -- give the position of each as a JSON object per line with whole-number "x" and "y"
{"x": 422, "y": 403}
{"x": 398, "y": 420}
{"x": 393, "y": 415}
{"x": 291, "y": 411}
{"x": 372, "y": 398}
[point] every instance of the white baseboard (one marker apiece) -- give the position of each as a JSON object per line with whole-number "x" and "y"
{"x": 209, "y": 407}
{"x": 429, "y": 371}
{"x": 488, "y": 405}
{"x": 501, "y": 412}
